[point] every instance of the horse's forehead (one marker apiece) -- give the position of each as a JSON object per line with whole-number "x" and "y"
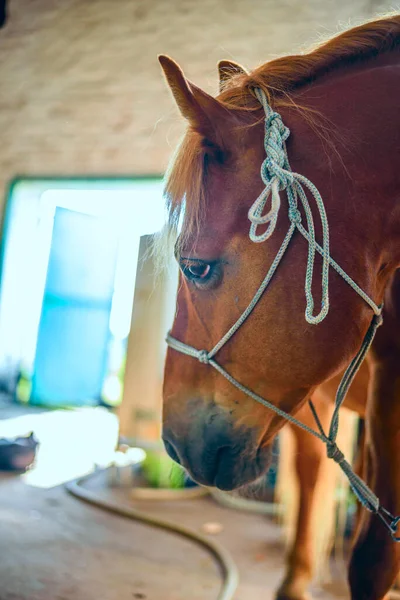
{"x": 229, "y": 195}
{"x": 212, "y": 244}
{"x": 224, "y": 219}
{"x": 228, "y": 191}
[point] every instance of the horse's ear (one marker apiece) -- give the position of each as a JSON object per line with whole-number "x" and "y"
{"x": 205, "y": 113}
{"x": 227, "y": 69}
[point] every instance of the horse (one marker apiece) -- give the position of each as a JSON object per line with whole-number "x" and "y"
{"x": 324, "y": 129}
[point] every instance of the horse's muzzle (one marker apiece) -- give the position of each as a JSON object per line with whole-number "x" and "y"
{"x": 215, "y": 452}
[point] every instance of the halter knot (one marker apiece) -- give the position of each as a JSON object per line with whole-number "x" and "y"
{"x": 294, "y": 215}
{"x": 272, "y": 117}
{"x": 271, "y": 169}
{"x": 203, "y": 357}
{"x": 276, "y": 133}
{"x": 333, "y": 452}
{"x": 275, "y": 129}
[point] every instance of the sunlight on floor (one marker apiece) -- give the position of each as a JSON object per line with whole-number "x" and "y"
{"x": 72, "y": 442}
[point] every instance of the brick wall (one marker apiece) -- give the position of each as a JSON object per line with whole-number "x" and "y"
{"x": 80, "y": 87}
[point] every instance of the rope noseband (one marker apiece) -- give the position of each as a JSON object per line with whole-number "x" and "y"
{"x": 278, "y": 176}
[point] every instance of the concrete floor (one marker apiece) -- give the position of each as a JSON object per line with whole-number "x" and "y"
{"x": 53, "y": 547}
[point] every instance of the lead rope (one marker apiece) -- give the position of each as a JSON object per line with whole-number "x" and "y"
{"x": 278, "y": 176}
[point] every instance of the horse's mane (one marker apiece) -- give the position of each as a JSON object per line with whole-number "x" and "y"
{"x": 278, "y": 79}
{"x": 281, "y": 76}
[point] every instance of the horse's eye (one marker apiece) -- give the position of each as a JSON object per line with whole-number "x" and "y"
{"x": 200, "y": 271}
{"x": 202, "y": 274}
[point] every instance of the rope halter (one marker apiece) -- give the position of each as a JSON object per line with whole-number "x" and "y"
{"x": 277, "y": 176}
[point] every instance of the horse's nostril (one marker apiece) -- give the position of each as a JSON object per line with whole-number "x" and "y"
{"x": 171, "y": 451}
{"x": 220, "y": 455}
{"x": 223, "y": 468}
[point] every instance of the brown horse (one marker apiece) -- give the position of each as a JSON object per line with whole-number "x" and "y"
{"x": 340, "y": 103}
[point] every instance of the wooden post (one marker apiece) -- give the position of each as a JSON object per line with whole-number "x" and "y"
{"x": 152, "y": 315}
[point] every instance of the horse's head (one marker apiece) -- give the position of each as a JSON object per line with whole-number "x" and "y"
{"x": 220, "y": 434}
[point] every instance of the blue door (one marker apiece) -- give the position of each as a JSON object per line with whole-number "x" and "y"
{"x": 72, "y": 346}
